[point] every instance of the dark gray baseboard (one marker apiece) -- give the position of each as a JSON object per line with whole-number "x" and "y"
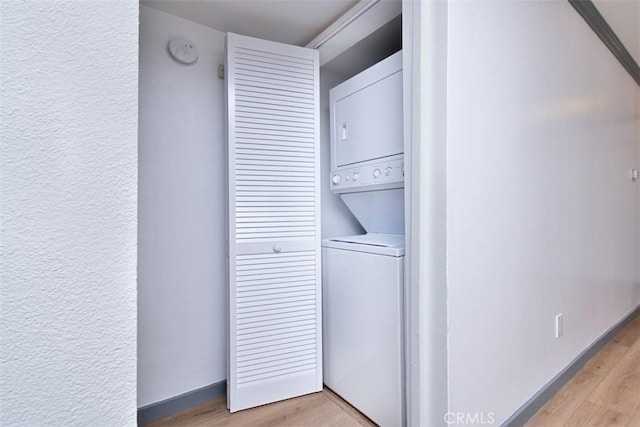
{"x": 599, "y": 25}
{"x": 176, "y": 404}
{"x": 528, "y": 410}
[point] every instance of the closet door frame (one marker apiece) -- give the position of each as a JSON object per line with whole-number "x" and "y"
{"x": 424, "y": 35}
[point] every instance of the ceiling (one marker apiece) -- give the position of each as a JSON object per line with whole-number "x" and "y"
{"x": 297, "y": 22}
{"x": 294, "y": 22}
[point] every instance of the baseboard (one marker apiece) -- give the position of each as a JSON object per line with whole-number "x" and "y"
{"x": 176, "y": 404}
{"x": 526, "y": 411}
{"x": 603, "y": 30}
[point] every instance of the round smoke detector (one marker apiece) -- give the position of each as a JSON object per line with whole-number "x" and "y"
{"x": 182, "y": 50}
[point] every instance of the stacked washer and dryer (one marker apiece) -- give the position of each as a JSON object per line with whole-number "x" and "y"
{"x": 363, "y": 275}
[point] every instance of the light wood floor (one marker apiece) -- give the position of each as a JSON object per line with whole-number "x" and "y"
{"x": 605, "y": 392}
{"x": 318, "y": 409}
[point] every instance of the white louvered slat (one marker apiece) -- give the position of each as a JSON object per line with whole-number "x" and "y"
{"x": 249, "y": 217}
{"x": 249, "y": 135}
{"x": 294, "y": 210}
{"x": 276, "y": 321}
{"x": 282, "y": 145}
{"x": 274, "y": 153}
{"x": 256, "y": 162}
{"x": 274, "y": 88}
{"x": 272, "y": 116}
{"x": 247, "y": 110}
{"x": 268, "y": 105}
{"x": 263, "y": 291}
{"x": 275, "y": 341}
{"x": 294, "y": 192}
{"x": 256, "y": 56}
{"x": 261, "y": 73}
{"x": 276, "y": 352}
{"x": 241, "y": 197}
{"x": 260, "y": 223}
{"x": 268, "y": 70}
{"x": 252, "y": 78}
{"x": 291, "y": 123}
{"x": 254, "y": 259}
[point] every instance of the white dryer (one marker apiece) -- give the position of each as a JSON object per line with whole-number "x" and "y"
{"x": 363, "y": 276}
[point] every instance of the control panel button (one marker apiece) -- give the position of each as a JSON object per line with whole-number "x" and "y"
{"x": 356, "y": 176}
{"x": 388, "y": 171}
{"x": 376, "y": 173}
{"x": 336, "y": 179}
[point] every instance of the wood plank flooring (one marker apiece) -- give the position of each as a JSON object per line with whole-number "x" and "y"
{"x": 318, "y": 409}
{"x": 605, "y": 392}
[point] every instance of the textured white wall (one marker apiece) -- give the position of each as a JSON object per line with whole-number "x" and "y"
{"x": 182, "y": 255}
{"x": 542, "y": 218}
{"x": 68, "y": 212}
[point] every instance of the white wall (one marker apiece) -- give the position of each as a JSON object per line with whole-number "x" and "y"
{"x": 542, "y": 218}
{"x": 182, "y": 256}
{"x": 68, "y": 213}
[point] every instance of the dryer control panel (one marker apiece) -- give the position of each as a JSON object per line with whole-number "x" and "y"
{"x": 387, "y": 174}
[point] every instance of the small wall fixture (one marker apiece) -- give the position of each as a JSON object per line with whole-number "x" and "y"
{"x": 182, "y": 50}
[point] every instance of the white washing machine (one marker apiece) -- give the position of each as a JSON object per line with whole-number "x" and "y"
{"x": 363, "y": 276}
{"x": 362, "y": 323}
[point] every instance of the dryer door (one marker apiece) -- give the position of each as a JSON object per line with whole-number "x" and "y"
{"x": 366, "y": 115}
{"x": 275, "y": 340}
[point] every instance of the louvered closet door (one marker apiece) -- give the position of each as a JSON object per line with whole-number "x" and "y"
{"x": 275, "y": 347}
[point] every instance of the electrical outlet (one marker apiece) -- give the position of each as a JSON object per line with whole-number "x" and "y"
{"x": 559, "y": 325}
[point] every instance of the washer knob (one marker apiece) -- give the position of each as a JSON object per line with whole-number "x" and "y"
{"x": 336, "y": 179}
{"x": 388, "y": 171}
{"x": 376, "y": 173}
{"x": 356, "y": 176}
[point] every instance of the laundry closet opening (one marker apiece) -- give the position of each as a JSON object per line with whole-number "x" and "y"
{"x": 185, "y": 309}
{"x": 363, "y": 225}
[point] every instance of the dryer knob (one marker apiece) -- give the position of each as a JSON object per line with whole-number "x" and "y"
{"x": 388, "y": 171}
{"x": 376, "y": 173}
{"x": 336, "y": 179}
